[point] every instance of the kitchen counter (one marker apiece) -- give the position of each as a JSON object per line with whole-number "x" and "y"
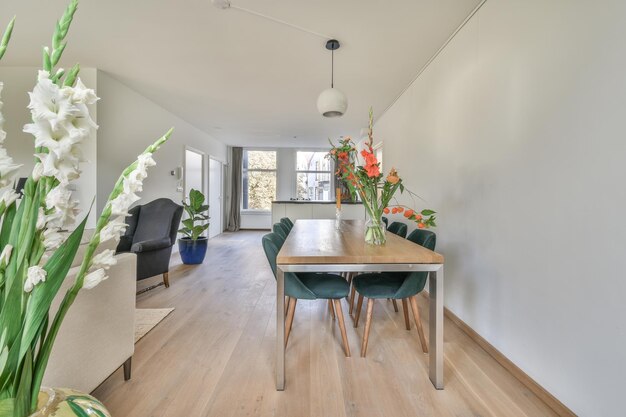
{"x": 312, "y": 202}
{"x": 301, "y": 209}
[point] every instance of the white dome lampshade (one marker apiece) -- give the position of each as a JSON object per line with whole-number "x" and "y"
{"x": 332, "y": 103}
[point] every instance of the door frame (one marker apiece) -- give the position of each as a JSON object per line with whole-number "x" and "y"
{"x": 204, "y": 171}
{"x": 221, "y": 192}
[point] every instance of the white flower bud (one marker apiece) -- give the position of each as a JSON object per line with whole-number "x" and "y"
{"x": 94, "y": 278}
{"x": 34, "y": 276}
{"x": 104, "y": 259}
{"x": 5, "y": 256}
{"x": 9, "y": 197}
{"x": 113, "y": 229}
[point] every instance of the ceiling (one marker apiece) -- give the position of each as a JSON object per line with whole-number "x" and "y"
{"x": 241, "y": 78}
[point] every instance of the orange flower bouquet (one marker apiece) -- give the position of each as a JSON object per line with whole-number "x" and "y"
{"x": 375, "y": 191}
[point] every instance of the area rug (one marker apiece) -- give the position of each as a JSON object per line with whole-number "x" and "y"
{"x": 147, "y": 319}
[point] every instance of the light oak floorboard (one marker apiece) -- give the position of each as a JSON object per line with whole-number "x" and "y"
{"x": 214, "y": 355}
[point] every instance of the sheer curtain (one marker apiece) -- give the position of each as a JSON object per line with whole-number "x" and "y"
{"x": 234, "y": 214}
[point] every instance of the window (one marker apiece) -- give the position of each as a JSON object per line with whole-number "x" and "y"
{"x": 259, "y": 180}
{"x": 314, "y": 176}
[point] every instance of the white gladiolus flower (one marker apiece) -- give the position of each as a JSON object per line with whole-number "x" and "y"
{"x": 5, "y": 255}
{"x": 7, "y": 168}
{"x": 61, "y": 121}
{"x": 52, "y": 239}
{"x": 41, "y": 219}
{"x": 34, "y": 276}
{"x": 121, "y": 203}
{"x": 104, "y": 259}
{"x": 145, "y": 161}
{"x": 113, "y": 229}
{"x": 65, "y": 209}
{"x": 8, "y": 197}
{"x": 37, "y": 171}
{"x": 94, "y": 278}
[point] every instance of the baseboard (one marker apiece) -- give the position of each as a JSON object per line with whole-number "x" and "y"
{"x": 552, "y": 402}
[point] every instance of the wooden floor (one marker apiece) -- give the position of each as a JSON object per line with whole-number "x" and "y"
{"x": 214, "y": 355}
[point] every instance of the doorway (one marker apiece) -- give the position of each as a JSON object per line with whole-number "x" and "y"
{"x": 215, "y": 197}
{"x": 194, "y": 169}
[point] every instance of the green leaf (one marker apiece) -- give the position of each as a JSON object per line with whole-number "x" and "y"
{"x": 7, "y": 222}
{"x": 22, "y": 399}
{"x": 427, "y": 212}
{"x": 188, "y": 223}
{"x": 42, "y": 295}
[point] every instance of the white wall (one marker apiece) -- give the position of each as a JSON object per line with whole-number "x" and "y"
{"x": 515, "y": 135}
{"x": 129, "y": 122}
{"x": 18, "y": 81}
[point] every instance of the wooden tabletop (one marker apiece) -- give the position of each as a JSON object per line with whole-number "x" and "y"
{"x": 319, "y": 242}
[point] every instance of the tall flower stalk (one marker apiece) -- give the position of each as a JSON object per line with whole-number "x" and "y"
{"x": 375, "y": 191}
{"x": 35, "y": 254}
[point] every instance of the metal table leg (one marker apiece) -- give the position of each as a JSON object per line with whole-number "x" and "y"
{"x": 280, "y": 329}
{"x": 435, "y": 323}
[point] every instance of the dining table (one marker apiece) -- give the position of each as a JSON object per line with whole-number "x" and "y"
{"x": 329, "y": 245}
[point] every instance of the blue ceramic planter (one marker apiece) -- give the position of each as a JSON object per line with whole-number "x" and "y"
{"x": 192, "y": 252}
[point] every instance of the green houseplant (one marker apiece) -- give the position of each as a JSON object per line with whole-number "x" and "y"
{"x": 193, "y": 245}
{"x": 35, "y": 253}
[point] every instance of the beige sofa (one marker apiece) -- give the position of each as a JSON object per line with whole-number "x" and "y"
{"x": 97, "y": 335}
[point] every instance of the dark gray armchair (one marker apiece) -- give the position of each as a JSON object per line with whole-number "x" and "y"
{"x": 151, "y": 233}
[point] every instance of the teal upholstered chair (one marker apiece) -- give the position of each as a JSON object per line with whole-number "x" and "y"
{"x": 281, "y": 230}
{"x": 308, "y": 286}
{"x": 287, "y": 222}
{"x": 396, "y": 286}
{"x": 398, "y": 228}
{"x": 386, "y": 221}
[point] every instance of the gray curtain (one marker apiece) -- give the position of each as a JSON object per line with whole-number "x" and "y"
{"x": 234, "y": 214}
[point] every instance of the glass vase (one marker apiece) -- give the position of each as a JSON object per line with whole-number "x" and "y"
{"x": 375, "y": 231}
{"x": 63, "y": 402}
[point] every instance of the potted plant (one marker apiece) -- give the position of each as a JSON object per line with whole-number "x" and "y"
{"x": 193, "y": 246}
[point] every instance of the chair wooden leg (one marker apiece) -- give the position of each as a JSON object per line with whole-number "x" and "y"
{"x": 359, "y": 304}
{"x": 395, "y": 305}
{"x": 405, "y": 309}
{"x": 331, "y": 309}
{"x": 290, "y": 313}
{"x": 418, "y": 324}
{"x": 166, "y": 279}
{"x": 351, "y": 300}
{"x": 368, "y": 324}
{"x": 286, "y": 304}
{"x": 342, "y": 327}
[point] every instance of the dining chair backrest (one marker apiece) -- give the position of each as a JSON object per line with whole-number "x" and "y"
{"x": 398, "y": 228}
{"x": 386, "y": 221}
{"x": 287, "y": 223}
{"x": 425, "y": 238}
{"x": 280, "y": 230}
{"x": 415, "y": 281}
{"x": 272, "y": 243}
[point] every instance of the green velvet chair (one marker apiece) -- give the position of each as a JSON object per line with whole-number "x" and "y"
{"x": 396, "y": 286}
{"x": 308, "y": 286}
{"x": 287, "y": 222}
{"x": 386, "y": 221}
{"x": 398, "y": 228}
{"x": 281, "y": 230}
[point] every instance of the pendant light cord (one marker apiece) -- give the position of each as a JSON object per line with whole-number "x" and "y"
{"x": 332, "y": 69}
